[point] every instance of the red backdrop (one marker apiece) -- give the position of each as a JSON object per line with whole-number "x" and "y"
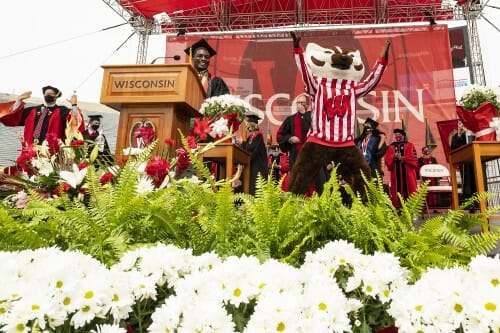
{"x": 417, "y": 86}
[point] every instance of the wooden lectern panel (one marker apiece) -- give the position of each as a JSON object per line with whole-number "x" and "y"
{"x": 130, "y": 84}
{"x": 155, "y": 102}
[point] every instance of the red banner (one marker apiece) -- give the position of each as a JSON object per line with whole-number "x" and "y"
{"x": 417, "y": 86}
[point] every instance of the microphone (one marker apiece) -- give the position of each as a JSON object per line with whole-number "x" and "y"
{"x": 175, "y": 57}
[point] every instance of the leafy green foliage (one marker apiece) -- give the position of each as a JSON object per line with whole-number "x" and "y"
{"x": 274, "y": 224}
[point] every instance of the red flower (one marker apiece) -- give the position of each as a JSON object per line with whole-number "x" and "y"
{"x": 77, "y": 143}
{"x": 232, "y": 121}
{"x": 169, "y": 142}
{"x": 201, "y": 128}
{"x": 53, "y": 143}
{"x": 191, "y": 142}
{"x": 24, "y": 160}
{"x": 106, "y": 178}
{"x": 183, "y": 162}
{"x": 158, "y": 169}
{"x": 82, "y": 165}
{"x": 66, "y": 187}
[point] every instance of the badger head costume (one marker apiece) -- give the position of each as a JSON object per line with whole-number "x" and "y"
{"x": 333, "y": 77}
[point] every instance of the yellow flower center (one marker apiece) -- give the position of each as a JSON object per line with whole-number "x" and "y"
{"x": 490, "y": 306}
{"x": 280, "y": 327}
{"x": 322, "y": 306}
{"x": 419, "y": 308}
{"x": 89, "y": 294}
{"x": 458, "y": 308}
{"x": 237, "y": 292}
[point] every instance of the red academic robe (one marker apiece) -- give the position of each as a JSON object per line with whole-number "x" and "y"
{"x": 403, "y": 172}
{"x": 26, "y": 116}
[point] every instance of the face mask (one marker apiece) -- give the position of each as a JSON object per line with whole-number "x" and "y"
{"x": 49, "y": 99}
{"x": 95, "y": 127}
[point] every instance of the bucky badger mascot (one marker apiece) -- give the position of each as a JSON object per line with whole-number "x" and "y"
{"x": 332, "y": 77}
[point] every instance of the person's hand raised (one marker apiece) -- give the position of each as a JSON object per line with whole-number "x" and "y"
{"x": 74, "y": 99}
{"x": 385, "y": 50}
{"x": 24, "y": 95}
{"x": 296, "y": 40}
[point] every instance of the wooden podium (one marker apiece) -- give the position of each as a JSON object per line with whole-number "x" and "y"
{"x": 476, "y": 152}
{"x": 154, "y": 101}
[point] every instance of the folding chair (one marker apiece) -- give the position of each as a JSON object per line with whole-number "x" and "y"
{"x": 443, "y": 174}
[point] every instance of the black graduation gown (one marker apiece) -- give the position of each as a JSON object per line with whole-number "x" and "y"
{"x": 256, "y": 146}
{"x": 103, "y": 158}
{"x": 288, "y": 129}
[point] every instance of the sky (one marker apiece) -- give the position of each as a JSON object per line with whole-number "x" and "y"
{"x": 63, "y": 43}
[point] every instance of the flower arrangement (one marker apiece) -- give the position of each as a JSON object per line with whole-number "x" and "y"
{"x": 224, "y": 105}
{"x": 54, "y": 169}
{"x": 478, "y": 110}
{"x": 220, "y": 115}
{"x": 476, "y": 95}
{"x": 163, "y": 288}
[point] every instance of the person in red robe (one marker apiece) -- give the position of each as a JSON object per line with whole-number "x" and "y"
{"x": 44, "y": 119}
{"x": 401, "y": 161}
{"x": 427, "y": 158}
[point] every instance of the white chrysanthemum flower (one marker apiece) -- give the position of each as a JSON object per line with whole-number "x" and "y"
{"x": 106, "y": 328}
{"x": 166, "y": 318}
{"x": 323, "y": 301}
{"x": 121, "y": 291}
{"x": 276, "y": 312}
{"x": 144, "y": 185}
{"x": 335, "y": 254}
{"x": 206, "y": 315}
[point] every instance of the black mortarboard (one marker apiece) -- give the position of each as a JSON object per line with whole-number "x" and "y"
{"x": 201, "y": 43}
{"x": 253, "y": 118}
{"x": 372, "y": 122}
{"x": 399, "y": 130}
{"x": 95, "y": 117}
{"x": 58, "y": 93}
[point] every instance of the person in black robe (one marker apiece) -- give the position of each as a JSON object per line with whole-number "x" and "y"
{"x": 93, "y": 136}
{"x": 256, "y": 146}
{"x": 372, "y": 144}
{"x": 292, "y": 134}
{"x": 467, "y": 173}
{"x": 201, "y": 52}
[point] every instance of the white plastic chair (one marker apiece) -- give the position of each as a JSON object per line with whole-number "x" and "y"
{"x": 443, "y": 174}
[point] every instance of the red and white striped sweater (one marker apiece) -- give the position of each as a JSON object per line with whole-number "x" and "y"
{"x": 334, "y": 109}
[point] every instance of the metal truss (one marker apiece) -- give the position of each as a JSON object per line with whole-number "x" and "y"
{"x": 228, "y": 16}
{"x": 224, "y": 15}
{"x": 470, "y": 11}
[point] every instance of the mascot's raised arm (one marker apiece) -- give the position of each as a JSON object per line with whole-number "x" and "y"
{"x": 332, "y": 76}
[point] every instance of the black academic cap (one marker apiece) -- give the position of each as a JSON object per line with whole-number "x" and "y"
{"x": 371, "y": 122}
{"x": 58, "y": 93}
{"x": 201, "y": 43}
{"x": 399, "y": 130}
{"x": 95, "y": 117}
{"x": 253, "y": 118}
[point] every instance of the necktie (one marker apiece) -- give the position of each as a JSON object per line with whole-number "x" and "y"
{"x": 38, "y": 127}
